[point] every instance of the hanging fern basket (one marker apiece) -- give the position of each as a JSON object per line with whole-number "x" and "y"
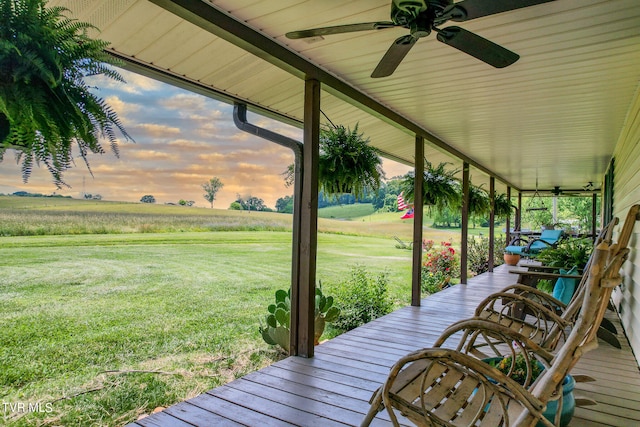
{"x": 348, "y": 164}
{"x": 440, "y": 188}
{"x": 502, "y": 206}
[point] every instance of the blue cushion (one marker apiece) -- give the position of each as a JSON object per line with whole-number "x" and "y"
{"x": 551, "y": 236}
{"x": 514, "y": 249}
{"x": 564, "y": 287}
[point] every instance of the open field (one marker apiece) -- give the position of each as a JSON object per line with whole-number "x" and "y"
{"x": 35, "y": 216}
{"x": 99, "y": 328}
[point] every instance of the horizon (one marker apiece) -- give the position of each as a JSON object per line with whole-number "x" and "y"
{"x": 183, "y": 139}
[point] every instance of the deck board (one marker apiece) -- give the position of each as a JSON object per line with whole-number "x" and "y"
{"x": 333, "y": 388}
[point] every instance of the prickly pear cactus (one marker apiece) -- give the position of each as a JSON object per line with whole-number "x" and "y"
{"x": 277, "y": 330}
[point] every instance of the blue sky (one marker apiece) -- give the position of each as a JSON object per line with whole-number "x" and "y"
{"x": 182, "y": 140}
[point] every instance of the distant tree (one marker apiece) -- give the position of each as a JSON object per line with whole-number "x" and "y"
{"x": 256, "y": 204}
{"x": 284, "y": 204}
{"x": 390, "y": 203}
{"x": 251, "y": 203}
{"x": 148, "y": 199}
{"x": 182, "y": 202}
{"x": 211, "y": 189}
{"x": 235, "y": 206}
{"x": 46, "y": 107}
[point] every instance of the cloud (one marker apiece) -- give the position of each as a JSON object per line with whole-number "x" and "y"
{"x": 151, "y": 155}
{"x": 184, "y": 102}
{"x": 158, "y": 131}
{"x": 182, "y": 141}
{"x": 125, "y": 110}
{"x": 137, "y": 84}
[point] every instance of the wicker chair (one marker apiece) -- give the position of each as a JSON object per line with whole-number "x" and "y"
{"x": 541, "y": 317}
{"x": 448, "y": 386}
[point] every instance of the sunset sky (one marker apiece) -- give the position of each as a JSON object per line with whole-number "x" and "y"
{"x": 182, "y": 140}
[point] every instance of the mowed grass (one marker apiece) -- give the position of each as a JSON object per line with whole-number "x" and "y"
{"x": 100, "y": 328}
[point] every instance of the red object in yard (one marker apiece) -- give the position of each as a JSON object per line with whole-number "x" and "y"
{"x": 408, "y": 214}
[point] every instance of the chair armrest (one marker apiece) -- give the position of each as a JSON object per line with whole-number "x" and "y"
{"x": 550, "y": 269}
{"x": 539, "y": 308}
{"x": 544, "y": 275}
{"x": 531, "y": 242}
{"x": 420, "y": 381}
{"x": 543, "y": 298}
{"x": 517, "y": 240}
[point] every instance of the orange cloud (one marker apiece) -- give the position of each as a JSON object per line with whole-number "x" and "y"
{"x": 157, "y": 130}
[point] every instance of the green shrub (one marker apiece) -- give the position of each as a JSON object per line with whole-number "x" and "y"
{"x": 362, "y": 298}
{"x": 441, "y": 263}
{"x": 433, "y": 282}
{"x": 478, "y": 254}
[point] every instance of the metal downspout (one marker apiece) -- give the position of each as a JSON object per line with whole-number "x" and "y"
{"x": 240, "y": 120}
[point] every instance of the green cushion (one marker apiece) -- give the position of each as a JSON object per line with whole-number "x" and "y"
{"x": 564, "y": 287}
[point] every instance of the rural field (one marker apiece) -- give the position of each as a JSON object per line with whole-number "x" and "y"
{"x": 109, "y": 310}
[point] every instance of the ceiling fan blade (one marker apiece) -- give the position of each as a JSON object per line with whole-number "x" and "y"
{"x": 394, "y": 56}
{"x": 477, "y": 46}
{"x": 472, "y": 9}
{"x": 339, "y": 29}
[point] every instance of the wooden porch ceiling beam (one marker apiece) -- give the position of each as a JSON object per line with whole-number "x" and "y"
{"x": 217, "y": 22}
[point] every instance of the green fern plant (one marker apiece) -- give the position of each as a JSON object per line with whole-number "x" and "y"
{"x": 348, "y": 164}
{"x": 440, "y": 189}
{"x": 502, "y": 205}
{"x": 479, "y": 204}
{"x": 46, "y": 107}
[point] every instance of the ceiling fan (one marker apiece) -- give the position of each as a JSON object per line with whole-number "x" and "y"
{"x": 421, "y": 17}
{"x": 557, "y": 191}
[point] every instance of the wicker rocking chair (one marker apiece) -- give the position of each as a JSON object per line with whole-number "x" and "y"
{"x": 450, "y": 387}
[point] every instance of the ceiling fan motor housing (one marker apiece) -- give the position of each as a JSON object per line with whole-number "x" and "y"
{"x": 417, "y": 15}
{"x": 407, "y": 7}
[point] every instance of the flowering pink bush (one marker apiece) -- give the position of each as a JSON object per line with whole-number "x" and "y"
{"x": 442, "y": 260}
{"x": 439, "y": 266}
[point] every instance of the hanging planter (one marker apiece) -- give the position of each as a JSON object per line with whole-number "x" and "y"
{"x": 47, "y": 109}
{"x": 478, "y": 202}
{"x": 440, "y": 188}
{"x": 348, "y": 164}
{"x": 502, "y": 206}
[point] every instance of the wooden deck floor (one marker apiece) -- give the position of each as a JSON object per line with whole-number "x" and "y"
{"x": 333, "y": 388}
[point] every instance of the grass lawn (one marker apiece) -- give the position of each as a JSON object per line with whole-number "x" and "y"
{"x": 100, "y": 328}
{"x": 174, "y": 314}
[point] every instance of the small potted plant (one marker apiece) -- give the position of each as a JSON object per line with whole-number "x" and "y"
{"x": 511, "y": 258}
{"x": 525, "y": 371}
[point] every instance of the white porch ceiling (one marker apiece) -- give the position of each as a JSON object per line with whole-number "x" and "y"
{"x": 555, "y": 115}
